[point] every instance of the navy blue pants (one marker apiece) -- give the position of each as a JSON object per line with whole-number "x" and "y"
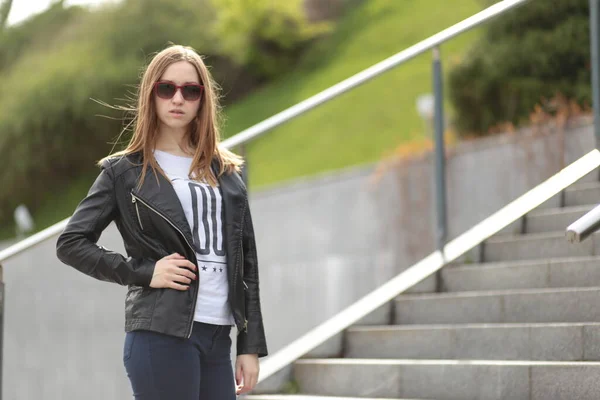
{"x": 164, "y": 367}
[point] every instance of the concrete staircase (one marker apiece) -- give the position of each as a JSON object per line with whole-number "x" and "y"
{"x": 523, "y": 324}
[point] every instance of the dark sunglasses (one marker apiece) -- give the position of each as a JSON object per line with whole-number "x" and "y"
{"x": 189, "y": 91}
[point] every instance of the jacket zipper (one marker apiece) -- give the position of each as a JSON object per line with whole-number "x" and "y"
{"x": 137, "y": 211}
{"x": 245, "y": 326}
{"x": 134, "y": 199}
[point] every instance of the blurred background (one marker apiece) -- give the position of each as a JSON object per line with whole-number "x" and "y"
{"x": 342, "y": 196}
{"x": 58, "y": 59}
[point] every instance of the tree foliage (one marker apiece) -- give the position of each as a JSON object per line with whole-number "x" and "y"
{"x": 536, "y": 51}
{"x": 264, "y": 34}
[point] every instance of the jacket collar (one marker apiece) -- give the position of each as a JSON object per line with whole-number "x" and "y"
{"x": 162, "y": 197}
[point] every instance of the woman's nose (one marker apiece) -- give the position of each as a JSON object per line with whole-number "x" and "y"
{"x": 178, "y": 97}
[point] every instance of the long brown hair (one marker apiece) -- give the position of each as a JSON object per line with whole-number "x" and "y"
{"x": 204, "y": 133}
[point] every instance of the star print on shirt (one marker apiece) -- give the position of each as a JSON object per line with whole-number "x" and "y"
{"x": 204, "y": 268}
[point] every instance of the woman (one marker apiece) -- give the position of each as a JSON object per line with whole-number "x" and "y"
{"x": 179, "y": 202}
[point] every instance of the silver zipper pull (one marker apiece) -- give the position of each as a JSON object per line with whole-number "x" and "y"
{"x": 137, "y": 211}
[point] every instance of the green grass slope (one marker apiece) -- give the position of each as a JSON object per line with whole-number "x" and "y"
{"x": 363, "y": 125}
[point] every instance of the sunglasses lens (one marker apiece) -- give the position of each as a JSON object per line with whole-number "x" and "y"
{"x": 191, "y": 92}
{"x": 165, "y": 90}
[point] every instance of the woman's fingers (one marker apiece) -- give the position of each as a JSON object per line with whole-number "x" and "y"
{"x": 184, "y": 272}
{"x": 177, "y": 286}
{"x": 182, "y": 275}
{"x": 250, "y": 379}
{"x": 181, "y": 279}
{"x": 254, "y": 381}
{"x": 173, "y": 271}
{"x": 246, "y": 373}
{"x": 247, "y": 381}
{"x": 172, "y": 256}
{"x": 185, "y": 264}
{"x": 238, "y": 376}
{"x": 246, "y": 387}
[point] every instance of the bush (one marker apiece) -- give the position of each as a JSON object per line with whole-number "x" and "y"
{"x": 537, "y": 51}
{"x": 265, "y": 35}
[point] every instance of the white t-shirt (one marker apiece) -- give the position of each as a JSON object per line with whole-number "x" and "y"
{"x": 203, "y": 207}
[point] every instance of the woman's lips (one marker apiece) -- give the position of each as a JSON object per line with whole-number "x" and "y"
{"x": 176, "y": 113}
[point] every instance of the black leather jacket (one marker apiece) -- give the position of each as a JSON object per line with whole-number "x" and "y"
{"x": 153, "y": 225}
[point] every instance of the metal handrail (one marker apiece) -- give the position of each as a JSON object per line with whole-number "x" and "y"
{"x": 336, "y": 90}
{"x": 431, "y": 264}
{"x": 584, "y": 227}
{"x": 430, "y": 43}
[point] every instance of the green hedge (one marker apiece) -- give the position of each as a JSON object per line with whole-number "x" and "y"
{"x": 537, "y": 51}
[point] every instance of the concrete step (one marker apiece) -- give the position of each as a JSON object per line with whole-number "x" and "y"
{"x": 586, "y": 192}
{"x": 544, "y": 342}
{"x": 449, "y": 379}
{"x": 537, "y": 246}
{"x": 554, "y": 219}
{"x": 580, "y": 194}
{"x": 503, "y": 306}
{"x": 560, "y": 199}
{"x": 546, "y": 273}
{"x": 545, "y": 219}
{"x": 309, "y": 397}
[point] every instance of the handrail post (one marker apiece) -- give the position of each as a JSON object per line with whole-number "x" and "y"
{"x": 595, "y": 61}
{"x": 440, "y": 158}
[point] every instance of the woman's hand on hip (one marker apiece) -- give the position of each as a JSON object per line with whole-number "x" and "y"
{"x": 246, "y": 372}
{"x": 172, "y": 272}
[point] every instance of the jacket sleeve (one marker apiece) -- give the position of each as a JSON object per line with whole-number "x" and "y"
{"x": 76, "y": 246}
{"x": 251, "y": 341}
